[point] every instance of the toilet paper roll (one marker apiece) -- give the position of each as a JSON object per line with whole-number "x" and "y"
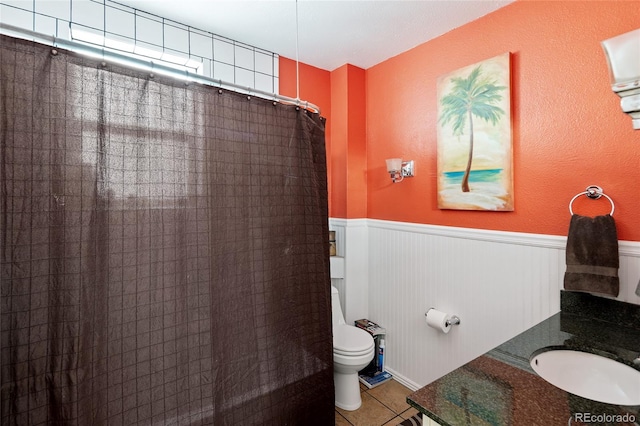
{"x": 438, "y": 320}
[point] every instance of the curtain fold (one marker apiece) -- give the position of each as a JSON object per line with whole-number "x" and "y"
{"x": 164, "y": 251}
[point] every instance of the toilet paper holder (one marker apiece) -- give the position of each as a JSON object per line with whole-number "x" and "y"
{"x": 452, "y": 320}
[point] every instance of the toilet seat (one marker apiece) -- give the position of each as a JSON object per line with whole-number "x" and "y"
{"x": 353, "y": 354}
{"x": 351, "y": 341}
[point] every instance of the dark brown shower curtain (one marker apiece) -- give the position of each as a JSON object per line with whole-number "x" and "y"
{"x": 164, "y": 250}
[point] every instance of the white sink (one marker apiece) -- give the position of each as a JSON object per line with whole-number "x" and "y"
{"x": 589, "y": 376}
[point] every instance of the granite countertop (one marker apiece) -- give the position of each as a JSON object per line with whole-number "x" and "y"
{"x": 501, "y": 388}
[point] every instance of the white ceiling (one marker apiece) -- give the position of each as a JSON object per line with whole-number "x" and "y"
{"x": 330, "y": 33}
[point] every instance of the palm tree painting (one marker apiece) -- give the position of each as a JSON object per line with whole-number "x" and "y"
{"x": 474, "y": 137}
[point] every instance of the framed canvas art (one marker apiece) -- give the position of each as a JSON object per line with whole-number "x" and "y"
{"x": 474, "y": 137}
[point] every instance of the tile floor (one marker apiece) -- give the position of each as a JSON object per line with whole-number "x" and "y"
{"x": 383, "y": 405}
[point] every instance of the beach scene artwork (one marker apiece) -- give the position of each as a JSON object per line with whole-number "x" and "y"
{"x": 474, "y": 137}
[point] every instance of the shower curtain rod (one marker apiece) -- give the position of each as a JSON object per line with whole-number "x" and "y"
{"x": 150, "y": 66}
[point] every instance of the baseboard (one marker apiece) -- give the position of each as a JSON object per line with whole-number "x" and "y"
{"x": 403, "y": 380}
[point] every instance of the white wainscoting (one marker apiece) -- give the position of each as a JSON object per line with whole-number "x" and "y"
{"x": 499, "y": 284}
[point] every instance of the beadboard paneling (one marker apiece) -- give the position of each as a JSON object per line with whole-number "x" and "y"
{"x": 497, "y": 289}
{"x": 498, "y": 283}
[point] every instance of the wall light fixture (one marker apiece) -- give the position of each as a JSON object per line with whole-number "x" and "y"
{"x": 399, "y": 169}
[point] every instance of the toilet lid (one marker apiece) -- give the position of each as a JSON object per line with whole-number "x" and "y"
{"x": 347, "y": 338}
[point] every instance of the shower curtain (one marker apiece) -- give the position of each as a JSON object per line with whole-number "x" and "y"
{"x": 164, "y": 250}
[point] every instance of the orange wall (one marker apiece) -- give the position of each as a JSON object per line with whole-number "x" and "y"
{"x": 341, "y": 96}
{"x": 568, "y": 129}
{"x": 349, "y": 147}
{"x": 315, "y": 84}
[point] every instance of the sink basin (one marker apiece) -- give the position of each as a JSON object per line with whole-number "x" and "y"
{"x": 589, "y": 376}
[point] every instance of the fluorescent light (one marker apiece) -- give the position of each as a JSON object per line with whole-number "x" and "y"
{"x": 182, "y": 63}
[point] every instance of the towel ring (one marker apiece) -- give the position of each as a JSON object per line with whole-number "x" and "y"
{"x": 594, "y": 192}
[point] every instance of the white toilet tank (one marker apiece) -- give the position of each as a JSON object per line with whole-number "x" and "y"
{"x": 336, "y": 310}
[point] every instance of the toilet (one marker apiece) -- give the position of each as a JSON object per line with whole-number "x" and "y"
{"x": 353, "y": 349}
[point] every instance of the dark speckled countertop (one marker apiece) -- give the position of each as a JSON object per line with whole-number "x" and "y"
{"x": 501, "y": 388}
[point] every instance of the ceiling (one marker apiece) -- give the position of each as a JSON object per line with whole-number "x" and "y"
{"x": 329, "y": 33}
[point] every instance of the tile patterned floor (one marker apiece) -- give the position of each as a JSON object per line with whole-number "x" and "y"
{"x": 383, "y": 405}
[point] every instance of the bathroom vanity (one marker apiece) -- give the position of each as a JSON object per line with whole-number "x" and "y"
{"x": 501, "y": 388}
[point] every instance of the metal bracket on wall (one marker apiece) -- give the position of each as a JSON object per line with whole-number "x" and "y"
{"x": 407, "y": 168}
